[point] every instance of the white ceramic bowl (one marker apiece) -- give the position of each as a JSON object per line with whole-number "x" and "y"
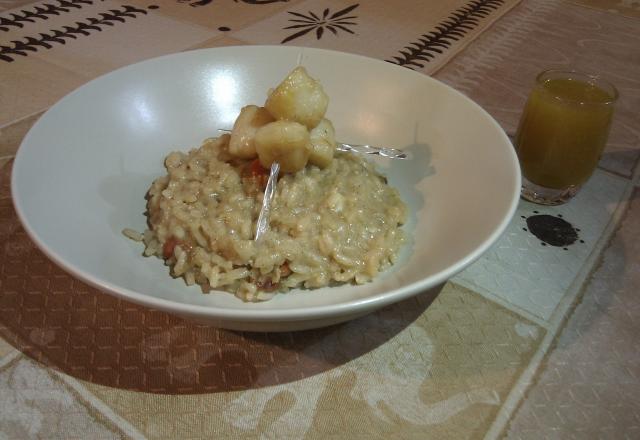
{"x": 81, "y": 174}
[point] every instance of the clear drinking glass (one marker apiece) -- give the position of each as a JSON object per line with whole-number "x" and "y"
{"x": 562, "y": 132}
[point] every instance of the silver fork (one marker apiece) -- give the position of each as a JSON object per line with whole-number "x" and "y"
{"x": 263, "y": 219}
{"x": 390, "y": 153}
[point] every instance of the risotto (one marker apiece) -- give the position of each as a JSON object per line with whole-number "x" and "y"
{"x": 333, "y": 218}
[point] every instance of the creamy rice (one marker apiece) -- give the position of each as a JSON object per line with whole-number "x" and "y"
{"x": 334, "y": 225}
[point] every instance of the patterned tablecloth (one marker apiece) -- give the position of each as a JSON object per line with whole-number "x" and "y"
{"x": 534, "y": 340}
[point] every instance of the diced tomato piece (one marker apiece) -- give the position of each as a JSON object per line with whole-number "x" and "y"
{"x": 169, "y": 246}
{"x": 256, "y": 169}
{"x": 262, "y": 180}
{"x": 267, "y": 285}
{"x": 257, "y": 172}
{"x": 285, "y": 270}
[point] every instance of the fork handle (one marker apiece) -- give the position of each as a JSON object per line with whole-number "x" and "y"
{"x": 390, "y": 153}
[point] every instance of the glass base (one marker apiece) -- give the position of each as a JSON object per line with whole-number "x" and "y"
{"x": 547, "y": 196}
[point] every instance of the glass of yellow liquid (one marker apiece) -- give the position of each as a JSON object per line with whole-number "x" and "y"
{"x": 562, "y": 132}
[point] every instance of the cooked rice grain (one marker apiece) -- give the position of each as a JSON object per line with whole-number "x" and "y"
{"x": 133, "y": 235}
{"x": 338, "y": 224}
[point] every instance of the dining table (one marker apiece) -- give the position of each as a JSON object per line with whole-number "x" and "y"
{"x": 537, "y": 339}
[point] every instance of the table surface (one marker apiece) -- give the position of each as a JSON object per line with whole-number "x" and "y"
{"x": 531, "y": 341}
